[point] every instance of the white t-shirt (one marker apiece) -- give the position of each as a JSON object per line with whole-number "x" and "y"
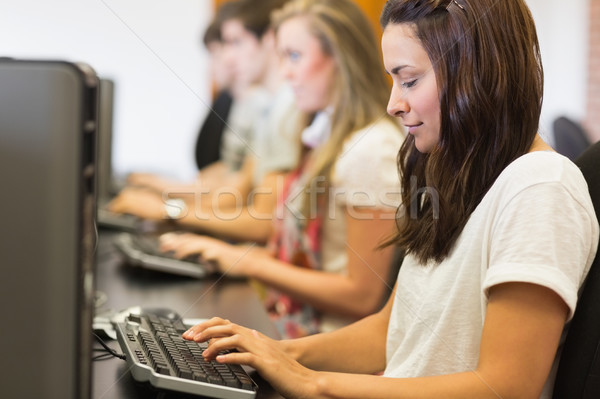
{"x": 238, "y": 133}
{"x": 266, "y": 127}
{"x": 536, "y": 225}
{"x": 276, "y": 142}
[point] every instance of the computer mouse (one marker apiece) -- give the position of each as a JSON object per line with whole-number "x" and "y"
{"x": 161, "y": 312}
{"x": 139, "y": 310}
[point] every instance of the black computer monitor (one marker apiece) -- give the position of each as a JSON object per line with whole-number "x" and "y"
{"x": 47, "y": 155}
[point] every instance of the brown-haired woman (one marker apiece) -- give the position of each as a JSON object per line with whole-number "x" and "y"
{"x": 500, "y": 230}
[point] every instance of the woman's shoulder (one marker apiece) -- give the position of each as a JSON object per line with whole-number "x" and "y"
{"x": 367, "y": 161}
{"x": 541, "y": 168}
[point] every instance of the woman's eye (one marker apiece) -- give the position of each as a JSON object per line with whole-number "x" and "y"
{"x": 408, "y": 85}
{"x": 294, "y": 56}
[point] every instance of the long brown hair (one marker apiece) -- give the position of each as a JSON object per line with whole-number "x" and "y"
{"x": 486, "y": 59}
{"x": 360, "y": 89}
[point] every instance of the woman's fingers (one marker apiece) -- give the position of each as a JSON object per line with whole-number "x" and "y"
{"x": 200, "y": 327}
{"x": 217, "y": 331}
{"x": 221, "y": 335}
{"x": 231, "y": 343}
{"x": 170, "y": 241}
{"x": 242, "y": 341}
{"x": 224, "y": 255}
{"x": 184, "y": 245}
{"x": 245, "y": 358}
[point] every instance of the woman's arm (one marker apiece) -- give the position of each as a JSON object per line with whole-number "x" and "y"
{"x": 355, "y": 294}
{"x": 356, "y": 348}
{"x": 224, "y": 193}
{"x": 520, "y": 338}
{"x": 148, "y": 200}
{"x": 209, "y": 177}
{"x": 358, "y": 293}
{"x": 222, "y": 212}
{"x": 250, "y": 222}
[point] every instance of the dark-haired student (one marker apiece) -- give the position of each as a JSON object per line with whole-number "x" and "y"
{"x": 499, "y": 230}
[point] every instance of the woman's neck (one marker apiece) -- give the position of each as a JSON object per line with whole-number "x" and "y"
{"x": 539, "y": 145}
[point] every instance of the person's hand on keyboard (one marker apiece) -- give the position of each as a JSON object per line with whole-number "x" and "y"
{"x": 233, "y": 260}
{"x": 139, "y": 202}
{"x": 149, "y": 181}
{"x": 230, "y": 343}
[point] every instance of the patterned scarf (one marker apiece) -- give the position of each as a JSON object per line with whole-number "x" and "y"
{"x": 296, "y": 240}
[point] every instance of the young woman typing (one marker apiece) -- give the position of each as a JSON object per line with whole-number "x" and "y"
{"x": 499, "y": 230}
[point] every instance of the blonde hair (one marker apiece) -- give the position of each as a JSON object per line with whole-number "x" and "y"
{"x": 360, "y": 91}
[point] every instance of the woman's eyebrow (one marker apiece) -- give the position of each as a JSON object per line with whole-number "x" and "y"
{"x": 397, "y": 69}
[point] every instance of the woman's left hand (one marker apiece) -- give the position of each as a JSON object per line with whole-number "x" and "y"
{"x": 234, "y": 260}
{"x": 256, "y": 350}
{"x": 139, "y": 202}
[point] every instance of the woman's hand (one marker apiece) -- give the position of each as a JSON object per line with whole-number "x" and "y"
{"x": 256, "y": 350}
{"x": 139, "y": 202}
{"x": 234, "y": 260}
{"x": 148, "y": 180}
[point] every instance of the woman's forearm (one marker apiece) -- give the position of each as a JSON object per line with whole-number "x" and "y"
{"x": 467, "y": 385}
{"x": 327, "y": 292}
{"x": 357, "y": 348}
{"x": 239, "y": 227}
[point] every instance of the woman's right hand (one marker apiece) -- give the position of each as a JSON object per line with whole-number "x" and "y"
{"x": 266, "y": 355}
{"x": 139, "y": 202}
{"x": 233, "y": 260}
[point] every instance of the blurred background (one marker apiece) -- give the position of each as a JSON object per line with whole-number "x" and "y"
{"x": 153, "y": 51}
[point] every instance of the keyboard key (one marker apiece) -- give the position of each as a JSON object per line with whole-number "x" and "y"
{"x": 200, "y": 376}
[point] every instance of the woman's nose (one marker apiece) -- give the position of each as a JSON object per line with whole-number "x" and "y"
{"x": 397, "y": 105}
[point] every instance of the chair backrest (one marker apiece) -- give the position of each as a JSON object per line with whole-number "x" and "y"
{"x": 578, "y": 375}
{"x": 569, "y": 137}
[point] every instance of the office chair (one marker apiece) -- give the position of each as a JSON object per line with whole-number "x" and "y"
{"x": 578, "y": 375}
{"x": 570, "y": 138}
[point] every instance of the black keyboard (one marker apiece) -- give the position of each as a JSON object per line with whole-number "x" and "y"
{"x": 156, "y": 353}
{"x": 143, "y": 250}
{"x": 150, "y": 243}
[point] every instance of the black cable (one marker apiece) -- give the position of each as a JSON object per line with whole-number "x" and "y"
{"x": 109, "y": 350}
{"x": 104, "y": 356}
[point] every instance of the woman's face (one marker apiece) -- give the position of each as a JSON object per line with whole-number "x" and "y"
{"x": 414, "y": 96}
{"x": 244, "y": 53}
{"x": 308, "y": 69}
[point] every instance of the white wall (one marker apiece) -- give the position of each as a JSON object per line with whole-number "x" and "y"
{"x": 563, "y": 30}
{"x": 152, "y": 50}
